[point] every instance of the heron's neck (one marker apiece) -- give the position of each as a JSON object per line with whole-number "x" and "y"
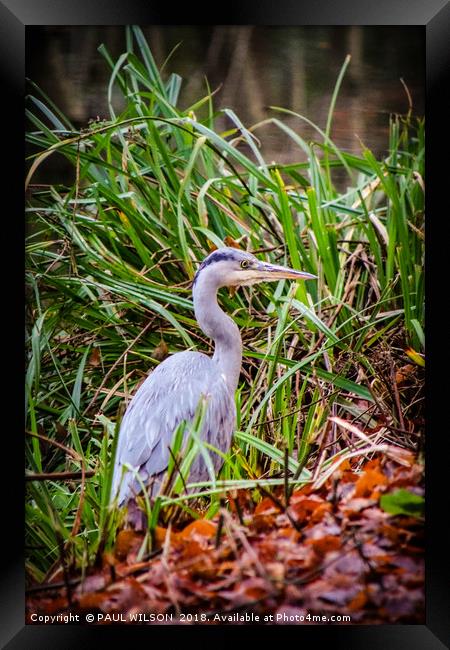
{"x": 219, "y": 327}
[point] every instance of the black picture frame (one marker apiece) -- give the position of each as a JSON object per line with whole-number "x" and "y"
{"x": 434, "y": 16}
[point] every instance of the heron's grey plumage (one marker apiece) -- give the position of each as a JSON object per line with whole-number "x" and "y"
{"x": 171, "y": 393}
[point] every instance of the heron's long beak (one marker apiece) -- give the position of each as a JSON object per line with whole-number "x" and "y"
{"x": 267, "y": 271}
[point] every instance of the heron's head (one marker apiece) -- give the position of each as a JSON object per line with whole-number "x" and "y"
{"x": 231, "y": 267}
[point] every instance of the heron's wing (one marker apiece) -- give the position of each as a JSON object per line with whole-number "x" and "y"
{"x": 170, "y": 394}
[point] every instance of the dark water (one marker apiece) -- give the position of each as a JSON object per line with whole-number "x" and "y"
{"x": 254, "y": 68}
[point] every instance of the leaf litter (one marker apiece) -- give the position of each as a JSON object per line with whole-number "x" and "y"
{"x": 332, "y": 551}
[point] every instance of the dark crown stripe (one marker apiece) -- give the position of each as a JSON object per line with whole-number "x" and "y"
{"x": 217, "y": 256}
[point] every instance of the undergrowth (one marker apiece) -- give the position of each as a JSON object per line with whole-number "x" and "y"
{"x": 110, "y": 260}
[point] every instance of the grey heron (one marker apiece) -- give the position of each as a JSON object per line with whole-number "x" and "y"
{"x": 172, "y": 391}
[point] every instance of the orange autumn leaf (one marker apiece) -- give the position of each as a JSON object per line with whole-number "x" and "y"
{"x": 266, "y": 506}
{"x": 199, "y": 528}
{"x": 109, "y": 560}
{"x": 118, "y": 597}
{"x": 126, "y": 541}
{"x": 289, "y": 533}
{"x": 369, "y": 482}
{"x": 302, "y": 492}
{"x": 160, "y": 536}
{"x": 375, "y": 463}
{"x": 94, "y": 357}
{"x": 345, "y": 465}
{"x": 263, "y": 522}
{"x": 318, "y": 513}
{"x": 303, "y": 508}
{"x": 323, "y": 545}
{"x": 229, "y": 241}
{"x": 358, "y": 601}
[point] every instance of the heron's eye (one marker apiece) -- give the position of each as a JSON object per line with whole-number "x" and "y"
{"x": 245, "y": 264}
